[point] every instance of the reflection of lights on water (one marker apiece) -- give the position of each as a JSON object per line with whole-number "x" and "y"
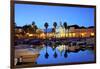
{"x": 61, "y": 48}
{"x": 53, "y": 47}
{"x": 61, "y": 57}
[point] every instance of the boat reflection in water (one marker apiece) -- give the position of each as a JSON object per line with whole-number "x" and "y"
{"x": 59, "y": 55}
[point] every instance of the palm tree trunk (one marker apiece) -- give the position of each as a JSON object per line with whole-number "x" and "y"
{"x": 46, "y": 34}
{"x": 55, "y": 33}
{"x": 46, "y": 37}
{"x": 65, "y": 33}
{"x": 68, "y": 37}
{"x": 68, "y": 33}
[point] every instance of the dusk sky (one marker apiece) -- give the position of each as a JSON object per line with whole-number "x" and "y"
{"x": 25, "y": 14}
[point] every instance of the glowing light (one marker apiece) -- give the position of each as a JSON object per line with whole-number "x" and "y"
{"x": 92, "y": 34}
{"x": 42, "y": 35}
{"x": 30, "y": 35}
{"x": 17, "y": 35}
{"x": 82, "y": 34}
{"x": 66, "y": 35}
{"x": 73, "y": 34}
{"x": 70, "y": 35}
{"x": 27, "y": 33}
{"x": 20, "y": 30}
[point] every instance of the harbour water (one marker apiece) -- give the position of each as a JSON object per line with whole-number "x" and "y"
{"x": 72, "y": 57}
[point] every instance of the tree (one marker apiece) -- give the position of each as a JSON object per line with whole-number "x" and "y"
{"x": 34, "y": 27}
{"x": 33, "y": 23}
{"x": 55, "y": 25}
{"x": 26, "y": 28}
{"x": 65, "y": 26}
{"x": 46, "y": 26}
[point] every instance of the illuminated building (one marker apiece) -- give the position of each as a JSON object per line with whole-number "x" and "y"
{"x": 72, "y": 31}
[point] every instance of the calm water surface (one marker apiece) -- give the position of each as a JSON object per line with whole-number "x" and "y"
{"x": 81, "y": 56}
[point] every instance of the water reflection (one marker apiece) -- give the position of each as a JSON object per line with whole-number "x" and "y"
{"x": 46, "y": 54}
{"x": 56, "y": 56}
{"x": 65, "y": 54}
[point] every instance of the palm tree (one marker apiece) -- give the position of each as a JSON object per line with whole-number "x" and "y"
{"x": 55, "y": 25}
{"x": 46, "y": 26}
{"x": 33, "y": 23}
{"x": 65, "y": 26}
{"x": 34, "y": 27}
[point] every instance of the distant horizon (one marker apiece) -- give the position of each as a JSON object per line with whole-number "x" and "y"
{"x": 26, "y": 14}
